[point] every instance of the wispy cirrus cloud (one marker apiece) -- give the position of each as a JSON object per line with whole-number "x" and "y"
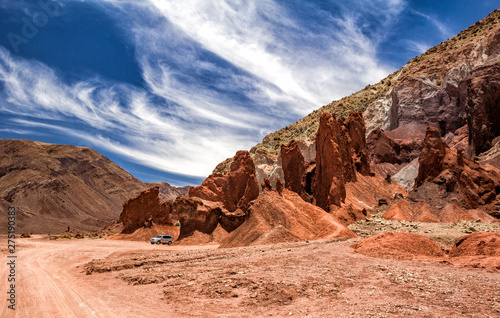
{"x": 218, "y": 76}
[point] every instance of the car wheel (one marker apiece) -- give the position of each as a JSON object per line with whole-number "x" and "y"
{"x": 169, "y": 243}
{"x": 152, "y": 243}
{"x": 158, "y": 242}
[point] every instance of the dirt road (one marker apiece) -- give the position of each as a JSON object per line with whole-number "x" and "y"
{"x": 305, "y": 279}
{"x": 50, "y": 280}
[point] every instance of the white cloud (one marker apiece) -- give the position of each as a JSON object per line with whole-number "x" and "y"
{"x": 443, "y": 29}
{"x": 218, "y": 76}
{"x": 165, "y": 143}
{"x": 260, "y": 38}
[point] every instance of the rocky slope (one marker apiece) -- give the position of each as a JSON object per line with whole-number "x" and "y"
{"x": 56, "y": 186}
{"x": 324, "y": 193}
{"x": 446, "y": 87}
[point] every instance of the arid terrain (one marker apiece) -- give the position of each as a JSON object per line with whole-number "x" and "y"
{"x": 392, "y": 210}
{"x": 324, "y": 278}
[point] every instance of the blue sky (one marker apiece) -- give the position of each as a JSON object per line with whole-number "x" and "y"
{"x": 168, "y": 89}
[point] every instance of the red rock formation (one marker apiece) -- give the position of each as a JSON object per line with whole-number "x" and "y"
{"x": 391, "y": 151}
{"x": 480, "y": 96}
{"x": 293, "y": 165}
{"x": 448, "y": 184}
{"x": 144, "y": 209}
{"x": 406, "y": 210}
{"x": 476, "y": 184}
{"x": 432, "y": 158}
{"x": 357, "y": 132}
{"x": 477, "y": 244}
{"x": 366, "y": 192}
{"x": 234, "y": 189}
{"x": 230, "y": 221}
{"x": 382, "y": 148}
{"x": 196, "y": 214}
{"x": 275, "y": 218}
{"x": 329, "y": 187}
{"x": 338, "y": 157}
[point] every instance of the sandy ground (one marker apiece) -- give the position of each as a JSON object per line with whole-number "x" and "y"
{"x": 51, "y": 282}
{"x": 306, "y": 279}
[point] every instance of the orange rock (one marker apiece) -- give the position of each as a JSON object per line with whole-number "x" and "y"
{"x": 234, "y": 189}
{"x": 196, "y": 214}
{"x": 478, "y": 250}
{"x": 273, "y": 214}
{"x": 144, "y": 209}
{"x": 294, "y": 166}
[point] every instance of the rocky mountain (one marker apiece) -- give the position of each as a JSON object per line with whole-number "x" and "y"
{"x": 444, "y": 87}
{"x": 422, "y": 129}
{"x": 54, "y": 187}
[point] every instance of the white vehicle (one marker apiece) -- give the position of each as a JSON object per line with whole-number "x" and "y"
{"x": 162, "y": 239}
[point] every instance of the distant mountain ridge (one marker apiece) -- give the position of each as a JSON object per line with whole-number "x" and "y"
{"x": 56, "y": 186}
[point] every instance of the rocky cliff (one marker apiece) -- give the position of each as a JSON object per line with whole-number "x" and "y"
{"x": 444, "y": 88}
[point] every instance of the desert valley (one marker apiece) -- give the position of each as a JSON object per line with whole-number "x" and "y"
{"x": 385, "y": 203}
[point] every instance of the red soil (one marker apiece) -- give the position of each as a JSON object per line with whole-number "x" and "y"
{"x": 400, "y": 246}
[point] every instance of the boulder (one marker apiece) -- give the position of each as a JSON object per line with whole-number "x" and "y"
{"x": 144, "y": 209}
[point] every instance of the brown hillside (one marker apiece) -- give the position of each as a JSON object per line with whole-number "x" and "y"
{"x": 56, "y": 186}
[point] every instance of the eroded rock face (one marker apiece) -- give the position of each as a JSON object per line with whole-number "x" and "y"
{"x": 340, "y": 152}
{"x": 196, "y": 214}
{"x": 355, "y": 125}
{"x": 294, "y": 166}
{"x": 391, "y": 151}
{"x": 234, "y": 189}
{"x": 381, "y": 148}
{"x": 329, "y": 187}
{"x": 144, "y": 209}
{"x": 480, "y": 97}
{"x": 432, "y": 158}
{"x": 447, "y": 185}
